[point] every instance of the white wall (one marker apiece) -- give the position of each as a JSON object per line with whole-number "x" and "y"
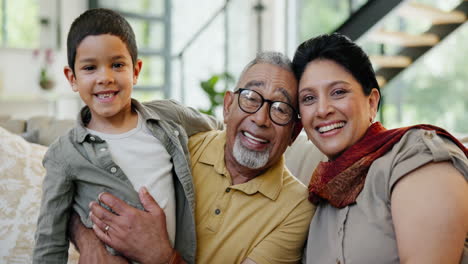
{"x": 206, "y": 56}
{"x": 19, "y": 71}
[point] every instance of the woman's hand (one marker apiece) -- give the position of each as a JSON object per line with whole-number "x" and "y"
{"x": 139, "y": 235}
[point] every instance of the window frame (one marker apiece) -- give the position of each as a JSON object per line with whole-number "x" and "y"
{"x": 164, "y": 52}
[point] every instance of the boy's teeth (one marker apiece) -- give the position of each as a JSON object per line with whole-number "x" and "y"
{"x": 247, "y": 134}
{"x": 330, "y": 127}
{"x": 105, "y": 96}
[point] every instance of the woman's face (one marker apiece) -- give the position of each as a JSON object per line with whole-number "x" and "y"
{"x": 334, "y": 110}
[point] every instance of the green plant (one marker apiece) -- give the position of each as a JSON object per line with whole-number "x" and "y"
{"x": 47, "y": 58}
{"x": 214, "y": 88}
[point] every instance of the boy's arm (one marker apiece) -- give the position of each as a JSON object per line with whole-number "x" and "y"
{"x": 51, "y": 243}
{"x": 190, "y": 119}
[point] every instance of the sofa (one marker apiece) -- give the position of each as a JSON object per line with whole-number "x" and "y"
{"x": 23, "y": 144}
{"x": 41, "y": 130}
{"x": 21, "y": 175}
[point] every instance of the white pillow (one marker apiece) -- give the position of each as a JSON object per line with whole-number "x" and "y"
{"x": 21, "y": 175}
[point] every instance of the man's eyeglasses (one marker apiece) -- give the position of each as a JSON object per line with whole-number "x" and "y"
{"x": 250, "y": 101}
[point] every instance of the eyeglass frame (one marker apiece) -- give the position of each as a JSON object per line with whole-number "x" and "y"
{"x": 295, "y": 116}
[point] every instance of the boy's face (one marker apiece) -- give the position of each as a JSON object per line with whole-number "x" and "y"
{"x": 104, "y": 76}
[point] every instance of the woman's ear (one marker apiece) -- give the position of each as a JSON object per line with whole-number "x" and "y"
{"x": 374, "y": 99}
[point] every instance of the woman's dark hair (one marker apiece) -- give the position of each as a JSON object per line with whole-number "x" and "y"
{"x": 341, "y": 50}
{"x": 100, "y": 21}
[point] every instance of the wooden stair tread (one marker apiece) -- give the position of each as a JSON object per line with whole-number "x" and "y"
{"x": 436, "y": 16}
{"x": 384, "y": 61}
{"x": 381, "y": 80}
{"x": 403, "y": 39}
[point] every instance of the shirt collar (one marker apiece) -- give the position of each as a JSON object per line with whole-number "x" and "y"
{"x": 269, "y": 183}
{"x": 84, "y": 116}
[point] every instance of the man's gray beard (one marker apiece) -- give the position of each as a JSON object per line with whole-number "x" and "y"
{"x": 249, "y": 158}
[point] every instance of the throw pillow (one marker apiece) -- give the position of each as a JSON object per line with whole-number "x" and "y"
{"x": 21, "y": 175}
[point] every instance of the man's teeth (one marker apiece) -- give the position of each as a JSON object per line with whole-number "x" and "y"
{"x": 105, "y": 96}
{"x": 247, "y": 134}
{"x": 330, "y": 127}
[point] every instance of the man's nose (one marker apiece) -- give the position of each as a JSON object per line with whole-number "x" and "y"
{"x": 262, "y": 116}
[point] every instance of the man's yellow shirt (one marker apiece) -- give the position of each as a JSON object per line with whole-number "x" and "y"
{"x": 265, "y": 219}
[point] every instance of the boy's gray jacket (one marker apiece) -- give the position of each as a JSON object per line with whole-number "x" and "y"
{"x": 79, "y": 168}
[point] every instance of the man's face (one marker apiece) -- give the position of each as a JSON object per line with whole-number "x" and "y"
{"x": 253, "y": 140}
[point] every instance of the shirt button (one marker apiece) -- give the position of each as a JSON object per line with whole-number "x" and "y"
{"x": 102, "y": 149}
{"x": 217, "y": 211}
{"x": 176, "y": 133}
{"x": 228, "y": 189}
{"x": 113, "y": 170}
{"x": 92, "y": 138}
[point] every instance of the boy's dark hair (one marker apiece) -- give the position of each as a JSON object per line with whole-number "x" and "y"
{"x": 341, "y": 50}
{"x": 97, "y": 22}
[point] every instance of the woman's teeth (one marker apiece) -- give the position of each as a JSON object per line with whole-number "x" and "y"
{"x": 331, "y": 127}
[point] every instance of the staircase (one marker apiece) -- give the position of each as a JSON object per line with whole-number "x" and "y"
{"x": 368, "y": 25}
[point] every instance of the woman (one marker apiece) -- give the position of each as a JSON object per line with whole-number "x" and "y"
{"x": 384, "y": 196}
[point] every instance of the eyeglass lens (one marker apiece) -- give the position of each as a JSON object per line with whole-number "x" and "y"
{"x": 251, "y": 101}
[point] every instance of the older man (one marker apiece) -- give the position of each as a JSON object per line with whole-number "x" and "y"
{"x": 249, "y": 208}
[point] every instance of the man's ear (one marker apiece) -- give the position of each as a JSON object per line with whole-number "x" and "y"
{"x": 70, "y": 77}
{"x": 228, "y": 100}
{"x": 297, "y": 128}
{"x": 137, "y": 70}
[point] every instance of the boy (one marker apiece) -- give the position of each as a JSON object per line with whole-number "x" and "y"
{"x": 118, "y": 145}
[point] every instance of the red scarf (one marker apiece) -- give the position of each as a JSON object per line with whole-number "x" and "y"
{"x": 340, "y": 181}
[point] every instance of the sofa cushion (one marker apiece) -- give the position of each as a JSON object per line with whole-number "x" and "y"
{"x": 49, "y": 128}
{"x": 31, "y": 136}
{"x": 21, "y": 175}
{"x": 13, "y": 125}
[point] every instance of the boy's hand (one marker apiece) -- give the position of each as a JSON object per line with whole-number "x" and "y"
{"x": 91, "y": 249}
{"x": 139, "y": 235}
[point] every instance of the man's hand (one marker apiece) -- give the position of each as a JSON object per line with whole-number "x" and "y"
{"x": 91, "y": 249}
{"x": 139, "y": 235}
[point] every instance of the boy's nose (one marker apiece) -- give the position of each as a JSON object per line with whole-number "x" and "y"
{"x": 105, "y": 77}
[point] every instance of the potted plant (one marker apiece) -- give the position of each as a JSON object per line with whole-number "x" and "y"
{"x": 214, "y": 90}
{"x": 46, "y": 82}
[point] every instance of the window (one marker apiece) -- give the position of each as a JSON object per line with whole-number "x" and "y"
{"x": 319, "y": 17}
{"x": 19, "y": 31}
{"x": 432, "y": 90}
{"x": 150, "y": 20}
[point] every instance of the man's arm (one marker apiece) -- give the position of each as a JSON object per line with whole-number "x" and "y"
{"x": 138, "y": 235}
{"x": 91, "y": 249}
